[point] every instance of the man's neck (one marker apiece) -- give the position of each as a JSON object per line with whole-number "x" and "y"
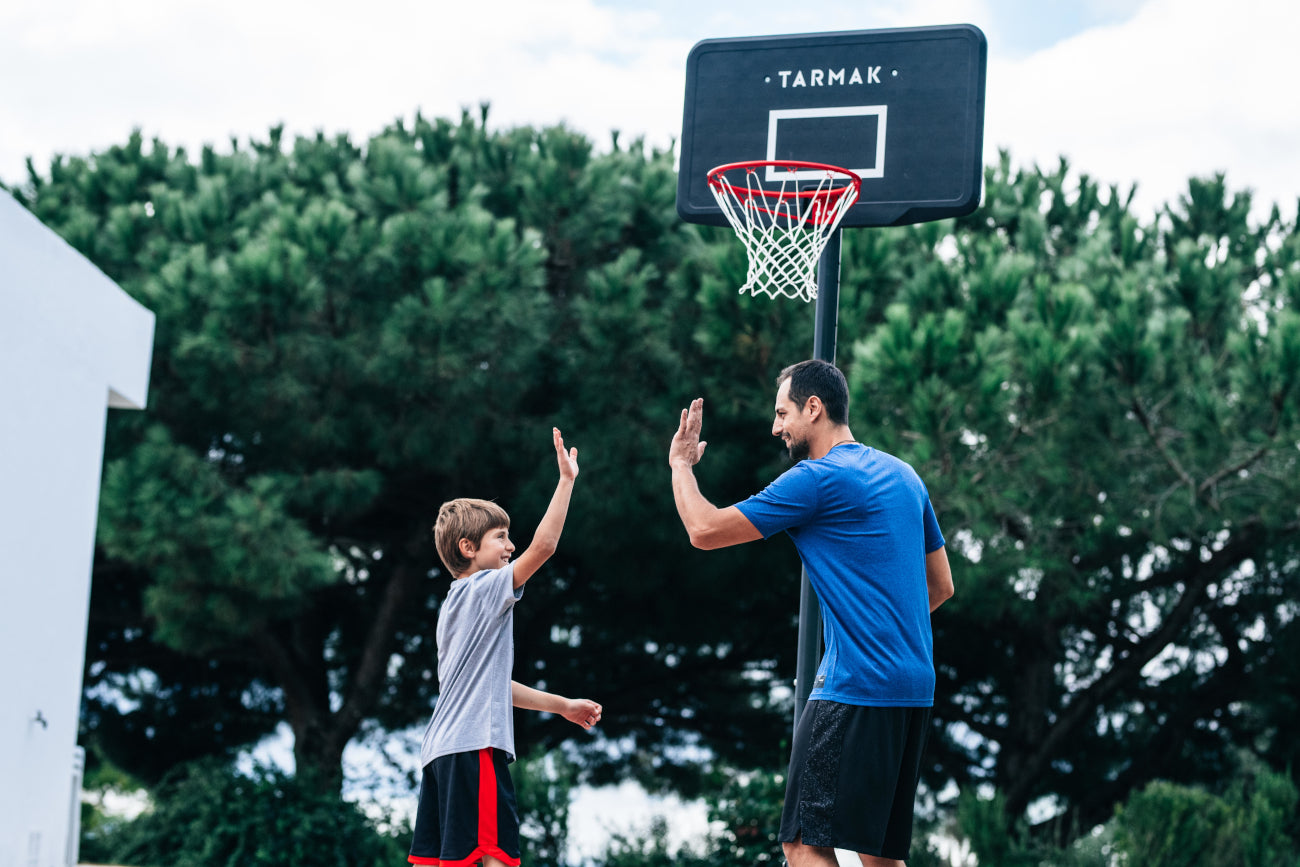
{"x": 832, "y": 437}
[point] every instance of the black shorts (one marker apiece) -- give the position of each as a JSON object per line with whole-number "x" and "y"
{"x": 467, "y": 810}
{"x": 853, "y": 775}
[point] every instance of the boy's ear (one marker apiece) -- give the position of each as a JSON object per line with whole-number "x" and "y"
{"x": 467, "y": 548}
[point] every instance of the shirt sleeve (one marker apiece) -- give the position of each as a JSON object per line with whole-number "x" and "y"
{"x": 790, "y": 501}
{"x": 496, "y": 589}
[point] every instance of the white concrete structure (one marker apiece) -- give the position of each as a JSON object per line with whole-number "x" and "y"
{"x": 72, "y": 344}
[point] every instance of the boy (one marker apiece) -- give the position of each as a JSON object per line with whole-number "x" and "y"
{"x": 466, "y": 812}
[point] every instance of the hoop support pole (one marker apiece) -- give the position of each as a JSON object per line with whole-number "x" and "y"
{"x": 825, "y": 325}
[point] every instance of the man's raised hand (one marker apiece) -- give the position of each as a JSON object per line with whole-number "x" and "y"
{"x": 687, "y": 448}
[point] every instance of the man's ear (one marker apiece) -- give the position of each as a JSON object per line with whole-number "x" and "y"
{"x": 467, "y": 548}
{"x": 814, "y": 407}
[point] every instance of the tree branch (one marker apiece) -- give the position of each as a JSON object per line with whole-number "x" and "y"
{"x": 1234, "y": 469}
{"x": 368, "y": 677}
{"x": 1159, "y": 443}
{"x": 1082, "y": 706}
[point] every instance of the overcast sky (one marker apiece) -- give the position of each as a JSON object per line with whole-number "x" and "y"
{"x": 1152, "y": 91}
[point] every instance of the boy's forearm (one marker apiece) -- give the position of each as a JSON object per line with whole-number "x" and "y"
{"x": 546, "y": 538}
{"x": 527, "y": 698}
{"x": 548, "y": 531}
{"x": 581, "y": 712}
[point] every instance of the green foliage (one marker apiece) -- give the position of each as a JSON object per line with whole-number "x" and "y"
{"x": 1104, "y": 406}
{"x": 99, "y": 824}
{"x": 208, "y": 815}
{"x": 744, "y": 810}
{"x": 747, "y": 809}
{"x": 166, "y": 510}
{"x": 650, "y": 848}
{"x": 983, "y": 823}
{"x": 543, "y": 790}
{"x": 1252, "y": 824}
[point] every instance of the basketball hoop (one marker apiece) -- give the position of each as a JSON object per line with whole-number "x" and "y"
{"x": 784, "y": 228}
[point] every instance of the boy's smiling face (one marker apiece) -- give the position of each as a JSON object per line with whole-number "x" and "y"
{"x": 493, "y": 551}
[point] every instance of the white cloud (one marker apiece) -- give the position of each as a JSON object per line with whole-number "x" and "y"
{"x": 1179, "y": 88}
{"x": 201, "y": 72}
{"x": 1184, "y": 88}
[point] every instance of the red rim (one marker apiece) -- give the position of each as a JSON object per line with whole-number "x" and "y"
{"x": 852, "y": 177}
{"x": 820, "y": 200}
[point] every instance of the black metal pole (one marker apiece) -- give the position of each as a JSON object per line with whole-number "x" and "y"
{"x": 825, "y": 325}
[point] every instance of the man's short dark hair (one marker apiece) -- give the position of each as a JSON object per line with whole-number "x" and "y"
{"x": 822, "y": 379}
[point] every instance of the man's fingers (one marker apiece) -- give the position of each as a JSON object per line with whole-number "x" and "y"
{"x": 695, "y": 415}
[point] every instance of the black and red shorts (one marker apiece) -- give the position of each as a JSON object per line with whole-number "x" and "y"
{"x": 853, "y": 777}
{"x": 467, "y": 810}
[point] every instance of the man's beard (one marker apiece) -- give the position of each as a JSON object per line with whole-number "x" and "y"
{"x": 798, "y": 449}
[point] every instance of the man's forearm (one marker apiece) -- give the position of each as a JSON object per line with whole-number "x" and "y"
{"x": 708, "y": 526}
{"x": 694, "y": 510}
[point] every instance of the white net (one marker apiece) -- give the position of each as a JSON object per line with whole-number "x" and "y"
{"x": 784, "y": 228}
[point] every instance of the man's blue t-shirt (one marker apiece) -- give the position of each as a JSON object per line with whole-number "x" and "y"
{"x": 862, "y": 522}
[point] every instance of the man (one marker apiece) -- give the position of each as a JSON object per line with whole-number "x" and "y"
{"x": 866, "y": 532}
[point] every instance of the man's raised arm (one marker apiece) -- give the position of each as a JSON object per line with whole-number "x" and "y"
{"x": 708, "y": 526}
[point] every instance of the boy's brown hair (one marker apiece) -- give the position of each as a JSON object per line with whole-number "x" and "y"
{"x": 465, "y": 518}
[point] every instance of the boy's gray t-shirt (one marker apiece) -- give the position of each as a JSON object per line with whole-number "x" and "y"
{"x": 476, "y": 653}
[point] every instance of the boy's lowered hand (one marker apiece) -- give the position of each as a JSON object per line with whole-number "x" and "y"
{"x": 582, "y": 712}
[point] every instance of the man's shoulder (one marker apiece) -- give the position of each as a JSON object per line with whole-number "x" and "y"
{"x": 802, "y": 473}
{"x": 881, "y": 461}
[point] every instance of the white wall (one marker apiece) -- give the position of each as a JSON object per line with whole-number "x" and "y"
{"x": 72, "y": 344}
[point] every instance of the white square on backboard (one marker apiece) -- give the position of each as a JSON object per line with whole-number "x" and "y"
{"x": 776, "y": 115}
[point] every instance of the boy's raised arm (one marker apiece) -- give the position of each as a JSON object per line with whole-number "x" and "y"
{"x": 547, "y": 536}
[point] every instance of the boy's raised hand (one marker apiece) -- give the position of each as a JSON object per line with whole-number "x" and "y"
{"x": 568, "y": 461}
